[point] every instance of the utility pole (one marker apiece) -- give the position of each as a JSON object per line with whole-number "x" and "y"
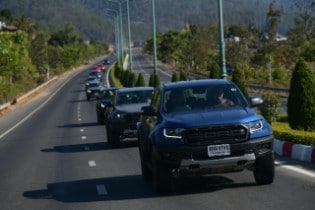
{"x": 129, "y": 35}
{"x": 221, "y": 42}
{"x": 154, "y": 38}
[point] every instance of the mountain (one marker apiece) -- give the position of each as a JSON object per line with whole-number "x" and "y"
{"x": 90, "y": 18}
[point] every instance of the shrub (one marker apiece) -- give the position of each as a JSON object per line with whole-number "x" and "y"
{"x": 183, "y": 76}
{"x": 301, "y": 100}
{"x": 282, "y": 131}
{"x": 214, "y": 70}
{"x": 140, "y": 81}
{"x": 239, "y": 81}
{"x": 175, "y": 77}
{"x": 270, "y": 109}
{"x": 154, "y": 80}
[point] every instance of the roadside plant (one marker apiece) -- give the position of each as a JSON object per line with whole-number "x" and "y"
{"x": 301, "y": 100}
{"x": 270, "y": 109}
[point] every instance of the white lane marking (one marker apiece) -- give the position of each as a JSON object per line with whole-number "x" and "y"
{"x": 35, "y": 110}
{"x": 86, "y": 148}
{"x": 81, "y": 130}
{"x": 296, "y": 169}
{"x": 92, "y": 163}
{"x": 101, "y": 190}
{"x": 83, "y": 137}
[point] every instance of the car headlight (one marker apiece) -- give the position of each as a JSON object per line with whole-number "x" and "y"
{"x": 173, "y": 132}
{"x": 89, "y": 91}
{"x": 102, "y": 106}
{"x": 254, "y": 126}
{"x": 119, "y": 115}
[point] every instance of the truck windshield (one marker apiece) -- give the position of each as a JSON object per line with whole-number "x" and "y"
{"x": 202, "y": 97}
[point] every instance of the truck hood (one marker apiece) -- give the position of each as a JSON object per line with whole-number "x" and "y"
{"x": 210, "y": 117}
{"x": 131, "y": 108}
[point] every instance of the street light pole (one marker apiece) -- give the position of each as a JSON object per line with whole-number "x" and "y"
{"x": 221, "y": 42}
{"x": 117, "y": 33}
{"x": 129, "y": 34}
{"x": 154, "y": 38}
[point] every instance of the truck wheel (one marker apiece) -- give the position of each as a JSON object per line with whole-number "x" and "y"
{"x": 114, "y": 139}
{"x": 99, "y": 120}
{"x": 107, "y": 134}
{"x": 161, "y": 174}
{"x": 146, "y": 171}
{"x": 264, "y": 171}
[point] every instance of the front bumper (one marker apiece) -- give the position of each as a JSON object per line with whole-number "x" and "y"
{"x": 194, "y": 159}
{"x": 126, "y": 128}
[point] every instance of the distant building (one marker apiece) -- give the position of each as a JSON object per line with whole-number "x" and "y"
{"x": 4, "y": 27}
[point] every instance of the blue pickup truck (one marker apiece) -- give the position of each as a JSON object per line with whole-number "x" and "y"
{"x": 199, "y": 127}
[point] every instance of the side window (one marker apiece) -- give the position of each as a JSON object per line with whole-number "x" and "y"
{"x": 156, "y": 99}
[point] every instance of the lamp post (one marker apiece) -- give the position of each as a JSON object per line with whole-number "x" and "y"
{"x": 154, "y": 38}
{"x": 129, "y": 35}
{"x": 120, "y": 2}
{"x": 221, "y": 42}
{"x": 114, "y": 14}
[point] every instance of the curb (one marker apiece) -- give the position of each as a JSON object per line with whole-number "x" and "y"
{"x": 295, "y": 151}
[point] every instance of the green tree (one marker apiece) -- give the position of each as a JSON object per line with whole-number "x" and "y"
{"x": 270, "y": 109}
{"x": 183, "y": 76}
{"x": 175, "y": 77}
{"x": 301, "y": 100}
{"x": 39, "y": 53}
{"x": 132, "y": 79}
{"x": 239, "y": 81}
{"x": 154, "y": 80}
{"x": 214, "y": 70}
{"x": 140, "y": 80}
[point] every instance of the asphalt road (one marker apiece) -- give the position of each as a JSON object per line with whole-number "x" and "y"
{"x": 53, "y": 155}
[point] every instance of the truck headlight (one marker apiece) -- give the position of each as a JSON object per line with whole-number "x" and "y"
{"x": 119, "y": 115}
{"x": 254, "y": 126}
{"x": 173, "y": 132}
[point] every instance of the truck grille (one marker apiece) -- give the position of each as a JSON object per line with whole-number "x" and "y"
{"x": 132, "y": 119}
{"x": 227, "y": 134}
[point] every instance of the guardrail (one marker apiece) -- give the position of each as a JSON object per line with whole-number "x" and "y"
{"x": 22, "y": 97}
{"x": 255, "y": 88}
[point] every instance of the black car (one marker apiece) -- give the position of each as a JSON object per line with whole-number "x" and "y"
{"x": 125, "y": 113}
{"x": 106, "y": 61}
{"x": 94, "y": 89}
{"x": 200, "y": 127}
{"x": 102, "y": 111}
{"x": 98, "y": 75}
{"x": 89, "y": 80}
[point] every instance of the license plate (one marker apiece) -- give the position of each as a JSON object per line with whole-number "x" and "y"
{"x": 219, "y": 150}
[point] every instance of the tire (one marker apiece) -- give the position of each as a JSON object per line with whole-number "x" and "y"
{"x": 108, "y": 136}
{"x": 161, "y": 175}
{"x": 145, "y": 170}
{"x": 114, "y": 138}
{"x": 264, "y": 171}
{"x": 99, "y": 120}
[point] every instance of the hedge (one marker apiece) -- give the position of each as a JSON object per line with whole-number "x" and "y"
{"x": 282, "y": 131}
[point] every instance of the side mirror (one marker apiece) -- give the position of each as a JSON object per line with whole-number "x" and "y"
{"x": 256, "y": 101}
{"x": 109, "y": 103}
{"x": 148, "y": 111}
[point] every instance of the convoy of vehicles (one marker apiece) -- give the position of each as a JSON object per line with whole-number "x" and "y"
{"x": 188, "y": 129}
